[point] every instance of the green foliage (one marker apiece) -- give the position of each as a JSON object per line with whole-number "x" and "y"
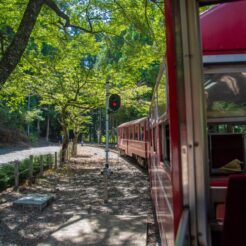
{"x": 33, "y": 138}
{"x": 32, "y": 115}
{"x": 65, "y": 69}
{"x": 9, "y": 118}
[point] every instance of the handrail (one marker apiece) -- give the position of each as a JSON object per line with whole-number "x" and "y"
{"x": 182, "y": 237}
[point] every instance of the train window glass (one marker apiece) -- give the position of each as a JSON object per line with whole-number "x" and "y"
{"x": 162, "y": 95}
{"x": 167, "y": 146}
{"x": 131, "y": 129}
{"x": 150, "y": 137}
{"x": 154, "y": 138}
{"x": 161, "y": 141}
{"x": 226, "y": 153}
{"x": 136, "y": 133}
{"x": 141, "y": 137}
{"x": 227, "y": 128}
{"x": 225, "y": 94}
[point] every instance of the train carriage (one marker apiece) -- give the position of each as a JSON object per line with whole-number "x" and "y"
{"x": 197, "y": 126}
{"x": 132, "y": 140}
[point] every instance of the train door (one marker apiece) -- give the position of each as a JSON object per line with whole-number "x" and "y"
{"x": 225, "y": 91}
{"x": 187, "y": 123}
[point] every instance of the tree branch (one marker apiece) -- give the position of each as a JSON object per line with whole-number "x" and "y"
{"x": 52, "y": 5}
{"x": 15, "y": 50}
{"x": 18, "y": 45}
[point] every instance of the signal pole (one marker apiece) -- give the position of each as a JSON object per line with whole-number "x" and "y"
{"x": 107, "y": 122}
{"x": 106, "y": 171}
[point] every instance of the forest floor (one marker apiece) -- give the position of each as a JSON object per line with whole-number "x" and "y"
{"x": 78, "y": 191}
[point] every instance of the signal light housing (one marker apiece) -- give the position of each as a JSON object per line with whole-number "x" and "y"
{"x": 114, "y": 102}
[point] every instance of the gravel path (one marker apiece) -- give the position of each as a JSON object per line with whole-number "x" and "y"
{"x": 23, "y": 154}
{"x": 78, "y": 190}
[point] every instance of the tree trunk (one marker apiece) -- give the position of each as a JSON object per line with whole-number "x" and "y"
{"x": 18, "y": 45}
{"x": 75, "y": 144}
{"x": 38, "y": 127}
{"x": 65, "y": 134}
{"x": 64, "y": 145}
{"x": 48, "y": 128}
{"x": 90, "y": 133}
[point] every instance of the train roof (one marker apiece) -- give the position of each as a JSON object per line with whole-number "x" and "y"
{"x": 133, "y": 122}
{"x": 223, "y": 29}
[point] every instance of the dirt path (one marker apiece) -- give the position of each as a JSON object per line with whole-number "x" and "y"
{"x": 78, "y": 190}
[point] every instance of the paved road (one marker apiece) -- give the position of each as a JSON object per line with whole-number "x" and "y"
{"x": 23, "y": 154}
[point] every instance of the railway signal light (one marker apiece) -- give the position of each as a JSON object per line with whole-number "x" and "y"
{"x": 114, "y": 102}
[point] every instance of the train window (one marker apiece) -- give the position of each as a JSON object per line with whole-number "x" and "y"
{"x": 162, "y": 95}
{"x": 161, "y": 141}
{"x": 124, "y": 133}
{"x": 131, "y": 129}
{"x": 136, "y": 132}
{"x": 226, "y": 153}
{"x": 225, "y": 94}
{"x": 150, "y": 137}
{"x": 227, "y": 128}
{"x": 141, "y": 137}
{"x": 167, "y": 146}
{"x": 154, "y": 138}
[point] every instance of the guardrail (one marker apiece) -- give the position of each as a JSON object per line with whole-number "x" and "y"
{"x": 13, "y": 173}
{"x": 16, "y": 172}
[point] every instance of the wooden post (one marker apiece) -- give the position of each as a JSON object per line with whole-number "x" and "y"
{"x": 41, "y": 165}
{"x": 67, "y": 153}
{"x": 60, "y": 158}
{"x": 55, "y": 160}
{"x": 17, "y": 175}
{"x": 30, "y": 181}
{"x": 50, "y": 161}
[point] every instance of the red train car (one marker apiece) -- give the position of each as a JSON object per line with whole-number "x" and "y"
{"x": 132, "y": 140}
{"x": 197, "y": 126}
